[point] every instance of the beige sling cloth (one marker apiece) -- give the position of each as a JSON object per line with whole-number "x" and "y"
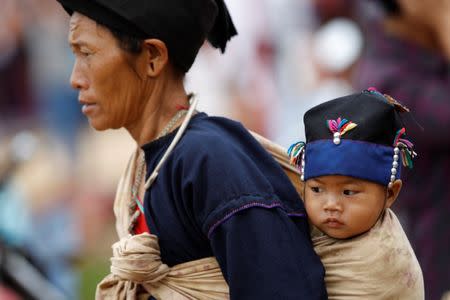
{"x": 379, "y": 264}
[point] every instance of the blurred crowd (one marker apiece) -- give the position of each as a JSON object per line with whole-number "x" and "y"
{"x": 56, "y": 192}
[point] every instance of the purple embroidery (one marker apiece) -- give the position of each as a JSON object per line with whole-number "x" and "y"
{"x": 297, "y": 214}
{"x": 234, "y": 211}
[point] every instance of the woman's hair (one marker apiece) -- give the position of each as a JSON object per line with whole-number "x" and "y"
{"x": 390, "y": 6}
{"x": 133, "y": 45}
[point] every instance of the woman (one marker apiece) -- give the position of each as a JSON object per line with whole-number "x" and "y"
{"x": 407, "y": 55}
{"x": 203, "y": 207}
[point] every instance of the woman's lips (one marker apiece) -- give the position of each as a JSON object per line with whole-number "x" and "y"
{"x": 87, "y": 108}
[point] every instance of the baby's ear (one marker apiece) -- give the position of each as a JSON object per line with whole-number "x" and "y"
{"x": 393, "y": 192}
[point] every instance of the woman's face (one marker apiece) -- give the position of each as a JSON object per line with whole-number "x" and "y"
{"x": 423, "y": 12}
{"x": 109, "y": 80}
{"x": 342, "y": 206}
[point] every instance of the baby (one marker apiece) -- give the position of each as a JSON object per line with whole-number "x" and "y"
{"x": 350, "y": 166}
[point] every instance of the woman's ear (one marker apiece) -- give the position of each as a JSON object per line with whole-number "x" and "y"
{"x": 393, "y": 192}
{"x": 157, "y": 56}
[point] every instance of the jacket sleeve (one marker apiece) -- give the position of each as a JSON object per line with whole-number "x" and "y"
{"x": 266, "y": 254}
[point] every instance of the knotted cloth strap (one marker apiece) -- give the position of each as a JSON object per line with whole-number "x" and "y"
{"x": 137, "y": 272}
{"x": 136, "y": 260}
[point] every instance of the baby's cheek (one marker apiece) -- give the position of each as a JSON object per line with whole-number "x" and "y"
{"x": 361, "y": 222}
{"x": 313, "y": 210}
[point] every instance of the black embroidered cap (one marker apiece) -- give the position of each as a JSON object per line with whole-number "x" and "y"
{"x": 377, "y": 119}
{"x": 359, "y": 135}
{"x": 182, "y": 24}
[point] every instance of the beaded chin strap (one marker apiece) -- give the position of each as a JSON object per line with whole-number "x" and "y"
{"x": 404, "y": 148}
{"x": 135, "y": 200}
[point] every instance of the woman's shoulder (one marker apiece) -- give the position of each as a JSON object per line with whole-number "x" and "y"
{"x": 208, "y": 135}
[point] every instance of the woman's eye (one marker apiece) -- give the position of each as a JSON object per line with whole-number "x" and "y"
{"x": 85, "y": 52}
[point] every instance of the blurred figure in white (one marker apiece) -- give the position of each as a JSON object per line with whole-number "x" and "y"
{"x": 333, "y": 50}
{"x": 336, "y": 47}
{"x": 241, "y": 83}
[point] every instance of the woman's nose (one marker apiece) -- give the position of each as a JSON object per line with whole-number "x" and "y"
{"x": 77, "y": 80}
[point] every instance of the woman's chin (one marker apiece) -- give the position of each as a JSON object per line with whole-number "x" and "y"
{"x": 99, "y": 126}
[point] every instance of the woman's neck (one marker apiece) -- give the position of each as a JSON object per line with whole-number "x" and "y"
{"x": 162, "y": 102}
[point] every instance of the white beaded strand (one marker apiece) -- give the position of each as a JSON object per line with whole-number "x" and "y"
{"x": 302, "y": 176}
{"x": 394, "y": 166}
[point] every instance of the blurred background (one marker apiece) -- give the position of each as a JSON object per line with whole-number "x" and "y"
{"x": 58, "y": 176}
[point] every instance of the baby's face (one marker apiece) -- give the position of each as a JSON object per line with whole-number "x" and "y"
{"x": 343, "y": 206}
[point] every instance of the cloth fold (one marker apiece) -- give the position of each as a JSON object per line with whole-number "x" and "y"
{"x": 137, "y": 258}
{"x": 138, "y": 272}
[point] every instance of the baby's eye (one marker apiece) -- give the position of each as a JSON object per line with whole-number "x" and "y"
{"x": 350, "y": 192}
{"x": 316, "y": 189}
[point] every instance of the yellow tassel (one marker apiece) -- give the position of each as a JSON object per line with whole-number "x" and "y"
{"x": 348, "y": 128}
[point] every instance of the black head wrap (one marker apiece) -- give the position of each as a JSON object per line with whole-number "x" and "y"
{"x": 182, "y": 25}
{"x": 390, "y": 6}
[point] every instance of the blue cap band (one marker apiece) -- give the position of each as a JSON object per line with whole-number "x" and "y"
{"x": 353, "y": 158}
